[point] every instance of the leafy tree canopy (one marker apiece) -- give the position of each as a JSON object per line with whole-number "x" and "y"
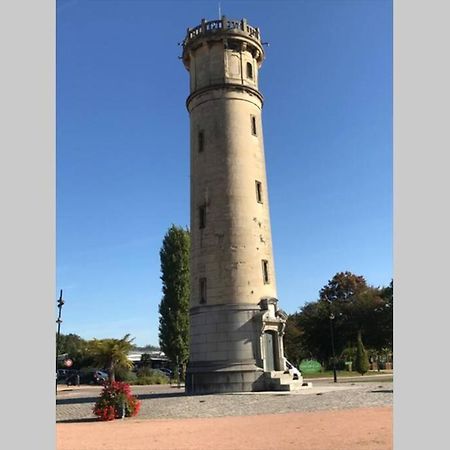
{"x": 355, "y": 307}
{"x": 76, "y": 349}
{"x": 343, "y": 286}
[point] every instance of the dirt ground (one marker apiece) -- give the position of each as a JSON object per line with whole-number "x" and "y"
{"x": 352, "y": 429}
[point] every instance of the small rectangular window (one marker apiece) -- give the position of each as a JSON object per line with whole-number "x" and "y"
{"x": 253, "y": 123}
{"x": 265, "y": 268}
{"x": 202, "y": 216}
{"x": 249, "y": 70}
{"x": 258, "y": 186}
{"x": 202, "y": 290}
{"x": 201, "y": 141}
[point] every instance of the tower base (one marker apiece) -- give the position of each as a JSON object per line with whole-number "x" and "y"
{"x": 208, "y": 379}
{"x": 233, "y": 345}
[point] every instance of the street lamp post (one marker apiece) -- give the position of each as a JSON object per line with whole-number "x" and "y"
{"x": 58, "y": 321}
{"x": 332, "y": 345}
{"x": 332, "y": 317}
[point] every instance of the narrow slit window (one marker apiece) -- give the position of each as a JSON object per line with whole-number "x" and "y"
{"x": 201, "y": 141}
{"x": 202, "y": 216}
{"x": 249, "y": 70}
{"x": 253, "y": 122}
{"x": 258, "y": 186}
{"x": 265, "y": 268}
{"x": 202, "y": 290}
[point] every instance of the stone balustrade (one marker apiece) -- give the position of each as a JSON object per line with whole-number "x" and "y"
{"x": 224, "y": 24}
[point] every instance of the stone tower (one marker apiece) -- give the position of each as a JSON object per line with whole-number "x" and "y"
{"x": 236, "y": 328}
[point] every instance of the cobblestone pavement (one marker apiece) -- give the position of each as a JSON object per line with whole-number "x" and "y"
{"x": 165, "y": 402}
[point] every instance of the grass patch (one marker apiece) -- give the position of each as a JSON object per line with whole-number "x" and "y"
{"x": 344, "y": 374}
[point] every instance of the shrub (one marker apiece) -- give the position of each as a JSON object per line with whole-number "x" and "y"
{"x": 116, "y": 401}
{"x": 150, "y": 377}
{"x": 145, "y": 372}
{"x": 361, "y": 360}
{"x": 124, "y": 374}
{"x": 128, "y": 377}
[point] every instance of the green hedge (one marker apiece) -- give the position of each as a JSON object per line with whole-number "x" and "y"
{"x": 150, "y": 379}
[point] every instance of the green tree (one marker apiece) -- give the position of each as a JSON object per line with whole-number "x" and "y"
{"x": 174, "y": 306}
{"x": 362, "y": 359}
{"x": 314, "y": 323}
{"x": 76, "y": 348}
{"x": 356, "y": 307}
{"x": 293, "y": 340}
{"x": 342, "y": 287}
{"x": 112, "y": 354}
{"x": 386, "y": 316}
{"x": 361, "y": 314}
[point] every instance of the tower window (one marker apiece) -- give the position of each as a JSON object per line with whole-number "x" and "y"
{"x": 265, "y": 268}
{"x": 202, "y": 290}
{"x": 253, "y": 123}
{"x": 201, "y": 141}
{"x": 258, "y": 186}
{"x": 202, "y": 216}
{"x": 249, "y": 70}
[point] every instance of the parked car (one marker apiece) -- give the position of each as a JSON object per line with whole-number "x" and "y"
{"x": 166, "y": 371}
{"x": 295, "y": 373}
{"x": 161, "y": 371}
{"x": 93, "y": 377}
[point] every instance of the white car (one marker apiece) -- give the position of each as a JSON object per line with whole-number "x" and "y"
{"x": 295, "y": 373}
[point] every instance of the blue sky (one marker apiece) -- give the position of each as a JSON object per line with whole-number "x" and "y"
{"x": 123, "y": 149}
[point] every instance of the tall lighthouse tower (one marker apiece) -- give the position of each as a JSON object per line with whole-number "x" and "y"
{"x": 236, "y": 328}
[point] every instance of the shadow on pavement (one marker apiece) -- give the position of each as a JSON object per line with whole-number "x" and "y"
{"x": 161, "y": 395}
{"x": 74, "y": 401}
{"x": 91, "y": 419}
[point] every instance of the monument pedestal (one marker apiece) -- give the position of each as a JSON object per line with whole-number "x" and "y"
{"x": 233, "y": 378}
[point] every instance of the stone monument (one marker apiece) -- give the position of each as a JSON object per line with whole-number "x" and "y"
{"x": 236, "y": 327}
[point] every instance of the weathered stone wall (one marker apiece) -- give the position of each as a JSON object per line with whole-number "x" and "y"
{"x": 225, "y": 334}
{"x": 229, "y": 250}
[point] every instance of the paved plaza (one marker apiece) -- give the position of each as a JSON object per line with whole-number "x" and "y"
{"x": 170, "y": 402}
{"x": 348, "y": 415}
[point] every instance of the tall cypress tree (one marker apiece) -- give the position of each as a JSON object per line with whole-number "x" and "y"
{"x": 362, "y": 360}
{"x": 174, "y": 306}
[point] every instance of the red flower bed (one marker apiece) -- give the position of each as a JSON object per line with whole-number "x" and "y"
{"x": 116, "y": 401}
